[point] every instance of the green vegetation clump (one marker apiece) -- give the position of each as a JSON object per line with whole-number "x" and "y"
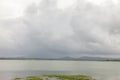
{"x": 70, "y": 77}
{"x": 18, "y": 78}
{"x": 57, "y": 77}
{"x": 33, "y": 78}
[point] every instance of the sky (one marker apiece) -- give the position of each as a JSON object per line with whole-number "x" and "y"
{"x": 59, "y": 28}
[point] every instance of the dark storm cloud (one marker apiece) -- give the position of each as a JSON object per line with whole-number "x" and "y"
{"x": 47, "y": 31}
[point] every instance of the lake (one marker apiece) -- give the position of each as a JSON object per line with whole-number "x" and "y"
{"x": 99, "y": 70}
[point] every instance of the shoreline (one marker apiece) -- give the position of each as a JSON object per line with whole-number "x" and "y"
{"x": 59, "y": 59}
{"x": 56, "y": 77}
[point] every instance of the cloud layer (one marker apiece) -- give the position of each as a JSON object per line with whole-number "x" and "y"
{"x": 48, "y": 31}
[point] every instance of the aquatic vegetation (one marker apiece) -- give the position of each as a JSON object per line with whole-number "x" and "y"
{"x": 18, "y": 79}
{"x": 70, "y": 77}
{"x": 33, "y": 78}
{"x": 57, "y": 77}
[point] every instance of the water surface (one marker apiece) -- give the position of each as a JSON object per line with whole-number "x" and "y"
{"x": 20, "y": 68}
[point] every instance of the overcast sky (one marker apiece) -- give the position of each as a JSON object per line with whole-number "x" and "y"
{"x": 58, "y": 28}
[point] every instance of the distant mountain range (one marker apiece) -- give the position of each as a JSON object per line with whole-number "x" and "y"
{"x": 87, "y": 58}
{"x": 84, "y": 58}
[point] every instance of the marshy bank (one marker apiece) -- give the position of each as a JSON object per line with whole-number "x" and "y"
{"x": 57, "y": 77}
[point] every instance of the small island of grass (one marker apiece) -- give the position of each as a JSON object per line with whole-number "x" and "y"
{"x": 57, "y": 77}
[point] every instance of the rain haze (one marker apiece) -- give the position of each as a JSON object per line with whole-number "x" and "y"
{"x": 59, "y": 28}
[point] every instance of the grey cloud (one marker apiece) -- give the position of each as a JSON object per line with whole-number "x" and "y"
{"x": 47, "y": 31}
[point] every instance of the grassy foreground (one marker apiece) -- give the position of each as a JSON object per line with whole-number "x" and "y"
{"x": 57, "y": 77}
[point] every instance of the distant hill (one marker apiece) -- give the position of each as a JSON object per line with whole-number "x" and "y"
{"x": 93, "y": 58}
{"x": 87, "y": 58}
{"x": 66, "y": 58}
{"x": 84, "y": 58}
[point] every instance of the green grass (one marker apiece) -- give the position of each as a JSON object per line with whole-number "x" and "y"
{"x": 57, "y": 77}
{"x": 70, "y": 77}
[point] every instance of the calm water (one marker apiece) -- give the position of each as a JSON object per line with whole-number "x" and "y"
{"x": 20, "y": 68}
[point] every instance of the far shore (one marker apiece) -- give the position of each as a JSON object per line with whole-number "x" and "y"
{"x": 55, "y": 59}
